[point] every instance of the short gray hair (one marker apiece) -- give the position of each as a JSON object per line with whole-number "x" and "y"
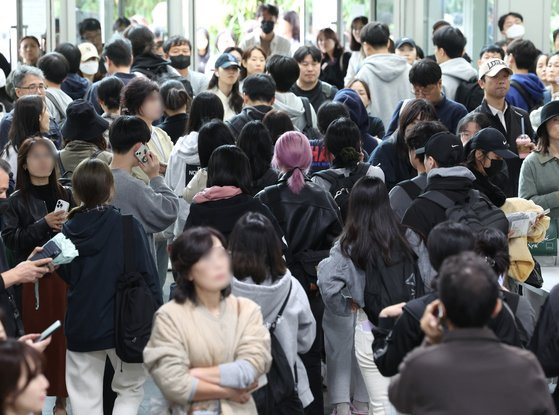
{"x": 16, "y": 77}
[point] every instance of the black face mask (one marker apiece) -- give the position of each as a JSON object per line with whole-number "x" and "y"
{"x": 495, "y": 168}
{"x": 267, "y": 26}
{"x": 180, "y": 61}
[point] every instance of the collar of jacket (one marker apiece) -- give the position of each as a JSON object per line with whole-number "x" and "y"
{"x": 470, "y": 334}
{"x": 543, "y": 158}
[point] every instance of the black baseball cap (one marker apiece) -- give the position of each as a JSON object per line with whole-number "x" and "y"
{"x": 225, "y": 61}
{"x": 446, "y": 148}
{"x": 491, "y": 139}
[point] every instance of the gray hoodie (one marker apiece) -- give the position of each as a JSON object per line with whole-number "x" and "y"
{"x": 292, "y": 105}
{"x": 455, "y": 71}
{"x": 184, "y": 152}
{"x": 387, "y": 78}
{"x": 295, "y": 330}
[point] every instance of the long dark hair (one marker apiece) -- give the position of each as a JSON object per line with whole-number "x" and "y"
{"x": 205, "y": 107}
{"x": 235, "y": 98}
{"x": 26, "y": 122}
{"x": 23, "y": 182}
{"x": 372, "y": 229}
{"x": 17, "y": 359}
{"x": 256, "y": 249}
{"x": 293, "y": 19}
{"x": 354, "y": 45}
{"x": 229, "y": 166}
{"x": 256, "y": 142}
{"x": 415, "y": 108}
{"x": 185, "y": 252}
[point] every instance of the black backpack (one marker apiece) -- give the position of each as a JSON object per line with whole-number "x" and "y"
{"x": 532, "y": 104}
{"x": 279, "y": 396}
{"x": 310, "y": 132}
{"x": 411, "y": 188}
{"x": 477, "y": 213}
{"x": 468, "y": 93}
{"x": 341, "y": 185}
{"x": 134, "y": 304}
{"x": 386, "y": 285}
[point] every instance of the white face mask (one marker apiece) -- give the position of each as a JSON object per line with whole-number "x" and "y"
{"x": 515, "y": 31}
{"x": 89, "y": 67}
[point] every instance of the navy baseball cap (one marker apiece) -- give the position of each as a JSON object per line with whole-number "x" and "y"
{"x": 404, "y": 41}
{"x": 225, "y": 61}
{"x": 446, "y": 148}
{"x": 491, "y": 139}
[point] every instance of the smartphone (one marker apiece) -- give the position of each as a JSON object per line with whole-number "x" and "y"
{"x": 49, "y": 331}
{"x": 141, "y": 154}
{"x": 61, "y": 206}
{"x": 50, "y": 250}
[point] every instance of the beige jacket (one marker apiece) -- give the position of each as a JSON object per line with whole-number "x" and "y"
{"x": 187, "y": 336}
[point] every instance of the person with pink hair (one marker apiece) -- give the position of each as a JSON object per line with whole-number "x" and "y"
{"x": 311, "y": 222}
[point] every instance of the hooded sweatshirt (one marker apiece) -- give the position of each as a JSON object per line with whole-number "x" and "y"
{"x": 75, "y": 86}
{"x": 454, "y": 182}
{"x": 358, "y": 114}
{"x": 454, "y": 72}
{"x": 92, "y": 276}
{"x": 532, "y": 85}
{"x": 184, "y": 156}
{"x": 292, "y": 105}
{"x": 387, "y": 78}
{"x": 297, "y": 327}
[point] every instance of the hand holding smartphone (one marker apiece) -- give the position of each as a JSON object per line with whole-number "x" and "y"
{"x": 49, "y": 331}
{"x": 50, "y": 250}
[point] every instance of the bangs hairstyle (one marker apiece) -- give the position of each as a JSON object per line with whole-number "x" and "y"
{"x": 229, "y": 166}
{"x": 135, "y": 93}
{"x": 189, "y": 248}
{"x": 92, "y": 183}
{"x": 354, "y": 45}
{"x": 292, "y": 153}
{"x": 17, "y": 360}
{"x": 372, "y": 228}
{"x": 256, "y": 249}
{"x": 23, "y": 182}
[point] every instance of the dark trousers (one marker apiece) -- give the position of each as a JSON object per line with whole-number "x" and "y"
{"x": 313, "y": 358}
{"x": 109, "y": 396}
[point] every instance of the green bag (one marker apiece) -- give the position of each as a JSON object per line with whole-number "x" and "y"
{"x": 547, "y": 247}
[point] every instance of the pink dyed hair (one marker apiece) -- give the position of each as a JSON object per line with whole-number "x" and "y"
{"x": 292, "y": 152}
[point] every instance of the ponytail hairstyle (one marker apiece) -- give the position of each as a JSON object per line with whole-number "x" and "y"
{"x": 343, "y": 142}
{"x": 292, "y": 154}
{"x": 493, "y": 246}
{"x": 174, "y": 95}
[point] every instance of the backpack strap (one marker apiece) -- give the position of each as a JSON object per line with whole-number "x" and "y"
{"x": 127, "y": 238}
{"x": 96, "y": 154}
{"x": 438, "y": 198}
{"x": 282, "y": 308}
{"x": 308, "y": 113}
{"x": 56, "y": 104}
{"x": 411, "y": 188}
{"x": 522, "y": 91}
{"x": 329, "y": 175}
{"x": 60, "y": 165}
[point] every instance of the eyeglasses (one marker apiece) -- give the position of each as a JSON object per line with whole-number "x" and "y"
{"x": 423, "y": 91}
{"x": 33, "y": 87}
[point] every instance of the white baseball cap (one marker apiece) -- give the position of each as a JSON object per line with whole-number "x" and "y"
{"x": 492, "y": 67}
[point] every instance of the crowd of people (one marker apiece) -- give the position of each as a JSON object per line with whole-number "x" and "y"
{"x": 335, "y": 220}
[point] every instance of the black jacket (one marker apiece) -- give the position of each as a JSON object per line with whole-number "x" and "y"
{"x": 485, "y": 185}
{"x": 267, "y": 179}
{"x": 455, "y": 183}
{"x": 92, "y": 276}
{"x": 310, "y": 220}
{"x": 545, "y": 341}
{"x": 395, "y": 338}
{"x": 223, "y": 214}
{"x": 335, "y": 71}
{"x": 513, "y": 117}
{"x": 13, "y": 326}
{"x": 24, "y": 226}
{"x": 247, "y": 115}
{"x": 175, "y": 126}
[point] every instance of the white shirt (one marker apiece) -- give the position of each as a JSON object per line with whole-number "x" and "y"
{"x": 500, "y": 114}
{"x": 229, "y": 112}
